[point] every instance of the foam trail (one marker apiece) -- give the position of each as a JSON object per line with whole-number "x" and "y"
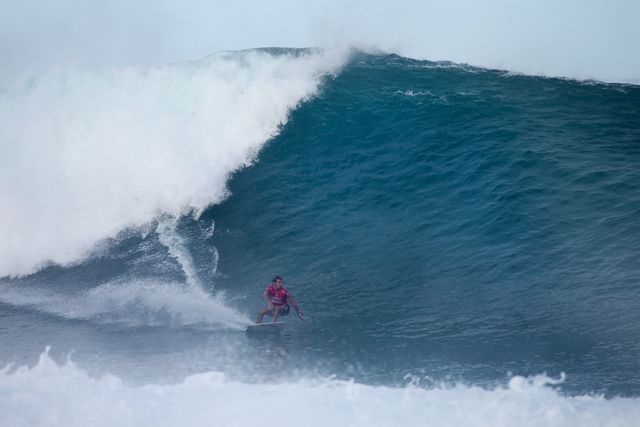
{"x": 88, "y": 154}
{"x": 133, "y": 303}
{"x": 66, "y": 395}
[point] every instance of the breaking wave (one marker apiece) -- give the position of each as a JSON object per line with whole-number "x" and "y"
{"x": 43, "y": 394}
{"x": 86, "y": 155}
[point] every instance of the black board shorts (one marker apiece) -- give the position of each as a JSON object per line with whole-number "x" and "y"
{"x": 283, "y": 311}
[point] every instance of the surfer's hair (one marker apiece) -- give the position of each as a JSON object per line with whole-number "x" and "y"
{"x": 277, "y": 278}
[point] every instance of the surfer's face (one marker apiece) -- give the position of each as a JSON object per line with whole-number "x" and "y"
{"x": 277, "y": 283}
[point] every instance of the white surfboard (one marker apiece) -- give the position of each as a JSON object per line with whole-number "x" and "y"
{"x": 265, "y": 327}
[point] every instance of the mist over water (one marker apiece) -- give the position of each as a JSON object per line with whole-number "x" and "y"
{"x": 595, "y": 39}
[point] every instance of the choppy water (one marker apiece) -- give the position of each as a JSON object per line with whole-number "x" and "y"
{"x": 441, "y": 226}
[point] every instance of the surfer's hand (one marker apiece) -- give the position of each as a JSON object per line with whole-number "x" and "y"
{"x": 299, "y": 313}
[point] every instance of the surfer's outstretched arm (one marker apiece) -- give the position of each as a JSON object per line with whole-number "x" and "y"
{"x": 291, "y": 301}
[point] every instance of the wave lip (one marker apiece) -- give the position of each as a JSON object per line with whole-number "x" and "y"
{"x": 86, "y": 155}
{"x": 50, "y": 390}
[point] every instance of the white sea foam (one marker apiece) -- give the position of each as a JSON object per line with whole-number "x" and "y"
{"x": 87, "y": 154}
{"x": 50, "y": 394}
{"x": 414, "y": 93}
{"x": 170, "y": 238}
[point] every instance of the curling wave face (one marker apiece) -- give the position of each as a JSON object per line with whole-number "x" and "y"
{"x": 86, "y": 155}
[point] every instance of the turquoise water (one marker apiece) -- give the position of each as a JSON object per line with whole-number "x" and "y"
{"x": 445, "y": 215}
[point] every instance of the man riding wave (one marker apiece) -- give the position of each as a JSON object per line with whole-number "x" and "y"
{"x": 278, "y": 300}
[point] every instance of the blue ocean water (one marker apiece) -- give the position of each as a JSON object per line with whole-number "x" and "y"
{"x": 436, "y": 222}
{"x": 430, "y": 215}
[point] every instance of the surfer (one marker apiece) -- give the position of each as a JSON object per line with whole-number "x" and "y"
{"x": 278, "y": 300}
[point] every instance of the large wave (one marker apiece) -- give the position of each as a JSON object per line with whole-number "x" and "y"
{"x": 52, "y": 394}
{"x": 88, "y": 154}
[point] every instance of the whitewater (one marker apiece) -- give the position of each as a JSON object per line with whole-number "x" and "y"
{"x": 88, "y": 155}
{"x": 59, "y": 394}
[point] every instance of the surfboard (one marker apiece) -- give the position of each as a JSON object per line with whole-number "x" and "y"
{"x": 265, "y": 327}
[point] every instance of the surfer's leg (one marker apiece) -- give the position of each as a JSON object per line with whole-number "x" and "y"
{"x": 261, "y": 315}
{"x": 276, "y": 312}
